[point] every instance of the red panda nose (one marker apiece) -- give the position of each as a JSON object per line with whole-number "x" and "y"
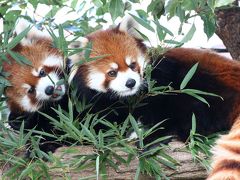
{"x": 130, "y": 83}
{"x": 49, "y": 90}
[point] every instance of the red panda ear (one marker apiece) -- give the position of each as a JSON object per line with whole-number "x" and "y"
{"x": 81, "y": 42}
{"x": 33, "y": 34}
{"x": 130, "y": 26}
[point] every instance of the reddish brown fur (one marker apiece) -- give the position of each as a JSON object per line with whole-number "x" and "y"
{"x": 226, "y": 71}
{"x": 108, "y": 43}
{"x": 22, "y": 74}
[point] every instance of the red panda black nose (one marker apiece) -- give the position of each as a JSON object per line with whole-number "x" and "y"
{"x": 130, "y": 83}
{"x": 49, "y": 90}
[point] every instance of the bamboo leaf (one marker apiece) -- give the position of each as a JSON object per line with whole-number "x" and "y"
{"x": 188, "y": 76}
{"x": 18, "y": 38}
{"x": 143, "y": 23}
{"x": 116, "y": 8}
{"x": 189, "y": 35}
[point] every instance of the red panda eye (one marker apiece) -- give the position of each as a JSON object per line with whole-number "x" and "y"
{"x": 31, "y": 90}
{"x": 42, "y": 73}
{"x": 133, "y": 66}
{"x": 112, "y": 73}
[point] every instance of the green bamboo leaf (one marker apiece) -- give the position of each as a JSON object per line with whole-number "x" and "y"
{"x": 170, "y": 41}
{"x": 116, "y": 9}
{"x": 18, "y": 38}
{"x": 194, "y": 127}
{"x": 97, "y": 167}
{"x": 70, "y": 110}
{"x": 134, "y": 124}
{"x": 52, "y": 12}
{"x": 143, "y": 35}
{"x": 19, "y": 58}
{"x": 167, "y": 163}
{"x": 220, "y": 3}
{"x": 189, "y": 35}
{"x": 195, "y": 91}
{"x": 137, "y": 175}
{"x": 188, "y": 76}
{"x": 62, "y": 41}
{"x": 124, "y": 126}
{"x": 74, "y": 4}
{"x": 88, "y": 133}
{"x": 160, "y": 33}
{"x": 143, "y": 23}
{"x": 198, "y": 97}
{"x": 209, "y": 24}
{"x": 87, "y": 51}
{"x": 97, "y": 3}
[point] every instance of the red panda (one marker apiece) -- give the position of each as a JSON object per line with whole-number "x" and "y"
{"x": 33, "y": 87}
{"x": 226, "y": 161}
{"x": 121, "y": 70}
{"x": 108, "y": 82}
{"x": 118, "y": 76}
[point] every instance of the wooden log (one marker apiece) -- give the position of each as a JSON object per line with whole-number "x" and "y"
{"x": 187, "y": 168}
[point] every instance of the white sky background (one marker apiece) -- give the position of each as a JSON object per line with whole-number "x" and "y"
{"x": 199, "y": 38}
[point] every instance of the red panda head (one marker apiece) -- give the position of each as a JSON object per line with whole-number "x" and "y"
{"x": 123, "y": 58}
{"x": 34, "y": 85}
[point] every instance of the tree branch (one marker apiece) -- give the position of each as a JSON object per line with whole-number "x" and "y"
{"x": 228, "y": 29}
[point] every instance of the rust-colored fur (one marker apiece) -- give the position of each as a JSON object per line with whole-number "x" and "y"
{"x": 226, "y": 158}
{"x": 107, "y": 43}
{"x": 225, "y": 70}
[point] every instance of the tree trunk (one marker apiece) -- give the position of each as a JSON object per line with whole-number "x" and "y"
{"x": 228, "y": 29}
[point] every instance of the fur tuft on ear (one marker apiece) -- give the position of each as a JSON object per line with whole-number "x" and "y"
{"x": 33, "y": 34}
{"x": 81, "y": 42}
{"x": 130, "y": 26}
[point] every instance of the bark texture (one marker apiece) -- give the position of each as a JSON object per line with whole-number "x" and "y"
{"x": 187, "y": 169}
{"x": 228, "y": 29}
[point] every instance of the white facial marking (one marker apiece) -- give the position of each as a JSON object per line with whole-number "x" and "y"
{"x": 96, "y": 80}
{"x": 35, "y": 73}
{"x": 133, "y": 136}
{"x": 26, "y": 104}
{"x": 52, "y": 61}
{"x": 43, "y": 83}
{"x": 114, "y": 66}
{"x": 142, "y": 62}
{"x": 72, "y": 73}
{"x": 83, "y": 41}
{"x": 26, "y": 86}
{"x": 128, "y": 60}
{"x": 119, "y": 83}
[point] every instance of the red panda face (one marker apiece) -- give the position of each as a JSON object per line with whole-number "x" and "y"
{"x": 120, "y": 70}
{"x": 34, "y": 85}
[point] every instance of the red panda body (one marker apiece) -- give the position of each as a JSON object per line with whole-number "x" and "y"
{"x": 215, "y": 74}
